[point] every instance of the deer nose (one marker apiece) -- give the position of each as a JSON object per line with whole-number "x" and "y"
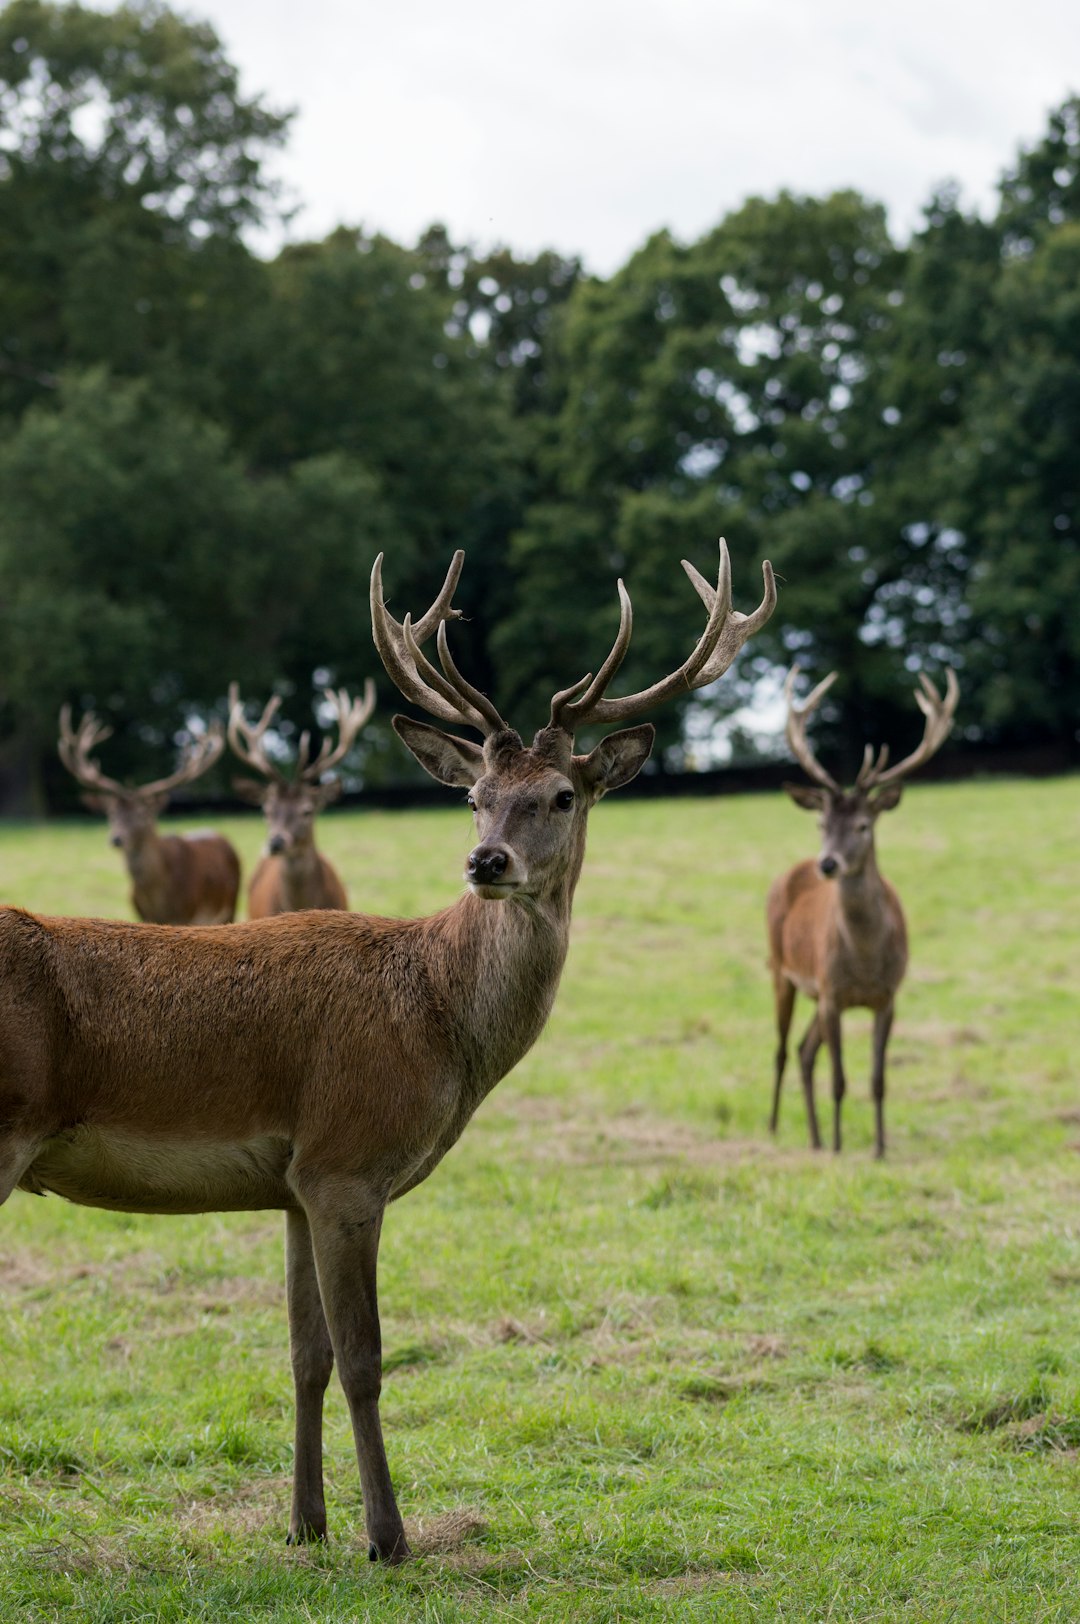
{"x": 275, "y": 845}
{"x": 828, "y": 866}
{"x": 486, "y": 865}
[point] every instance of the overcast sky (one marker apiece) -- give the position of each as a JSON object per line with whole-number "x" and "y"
{"x": 585, "y": 125}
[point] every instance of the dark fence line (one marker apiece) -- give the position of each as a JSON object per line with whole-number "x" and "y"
{"x": 953, "y": 766}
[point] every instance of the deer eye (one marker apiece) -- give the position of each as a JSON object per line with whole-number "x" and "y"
{"x": 471, "y": 802}
{"x": 564, "y": 800}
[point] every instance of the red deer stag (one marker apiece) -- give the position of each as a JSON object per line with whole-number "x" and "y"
{"x": 292, "y": 874}
{"x": 324, "y": 1063}
{"x": 176, "y": 879}
{"x": 836, "y": 927}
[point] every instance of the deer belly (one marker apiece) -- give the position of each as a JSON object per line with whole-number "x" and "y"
{"x": 103, "y": 1168}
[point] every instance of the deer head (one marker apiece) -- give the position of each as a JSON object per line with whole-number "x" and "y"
{"x": 847, "y": 817}
{"x": 131, "y": 810}
{"x": 291, "y": 804}
{"x": 530, "y": 802}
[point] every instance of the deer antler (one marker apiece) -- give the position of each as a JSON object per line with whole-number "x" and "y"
{"x": 797, "y": 717}
{"x": 198, "y": 757}
{"x": 725, "y": 633}
{"x": 939, "y": 713}
{"x": 350, "y": 715}
{"x": 444, "y": 694}
{"x": 75, "y": 744}
{"x": 247, "y": 741}
{"x": 74, "y": 747}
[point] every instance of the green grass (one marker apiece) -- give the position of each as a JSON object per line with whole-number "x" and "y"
{"x": 642, "y": 1363}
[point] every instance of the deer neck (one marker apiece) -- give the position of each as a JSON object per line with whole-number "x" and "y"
{"x": 862, "y": 901}
{"x": 145, "y": 856}
{"x": 300, "y": 871}
{"x": 500, "y": 964}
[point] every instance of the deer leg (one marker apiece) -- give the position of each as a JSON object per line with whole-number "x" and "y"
{"x": 312, "y": 1362}
{"x": 346, "y": 1221}
{"x": 785, "y": 1003}
{"x": 808, "y": 1049}
{"x": 883, "y": 1019}
{"x": 829, "y": 1020}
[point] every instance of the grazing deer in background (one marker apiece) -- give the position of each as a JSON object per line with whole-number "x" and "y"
{"x": 324, "y": 1063}
{"x": 292, "y": 874}
{"x": 836, "y": 927}
{"x": 188, "y": 879}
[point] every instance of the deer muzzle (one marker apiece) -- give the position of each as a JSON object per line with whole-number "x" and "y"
{"x": 491, "y": 871}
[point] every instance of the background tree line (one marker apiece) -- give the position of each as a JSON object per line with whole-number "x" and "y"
{"x": 202, "y": 450}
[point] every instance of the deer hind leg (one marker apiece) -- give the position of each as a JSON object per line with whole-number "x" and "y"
{"x": 312, "y": 1362}
{"x": 829, "y": 1020}
{"x": 883, "y": 1019}
{"x": 808, "y": 1049}
{"x": 785, "y": 1004}
{"x": 345, "y": 1217}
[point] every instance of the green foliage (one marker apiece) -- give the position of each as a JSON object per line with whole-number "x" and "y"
{"x": 893, "y": 427}
{"x": 140, "y": 566}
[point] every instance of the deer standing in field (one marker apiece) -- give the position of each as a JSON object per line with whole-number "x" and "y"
{"x": 836, "y": 927}
{"x": 324, "y": 1063}
{"x": 188, "y": 879}
{"x": 292, "y": 874}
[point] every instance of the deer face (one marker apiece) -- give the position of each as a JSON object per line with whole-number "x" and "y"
{"x": 291, "y": 810}
{"x": 131, "y": 817}
{"x": 846, "y": 822}
{"x": 530, "y": 804}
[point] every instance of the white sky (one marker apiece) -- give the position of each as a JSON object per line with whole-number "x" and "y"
{"x": 585, "y": 125}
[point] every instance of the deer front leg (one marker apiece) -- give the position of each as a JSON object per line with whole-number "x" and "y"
{"x": 829, "y": 1021}
{"x": 808, "y": 1049}
{"x": 883, "y": 1019}
{"x": 346, "y": 1220}
{"x": 312, "y": 1362}
{"x": 785, "y": 1003}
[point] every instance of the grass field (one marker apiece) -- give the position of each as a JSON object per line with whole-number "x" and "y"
{"x": 641, "y": 1362}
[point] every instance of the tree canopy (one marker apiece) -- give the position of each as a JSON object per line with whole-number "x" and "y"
{"x": 201, "y": 450}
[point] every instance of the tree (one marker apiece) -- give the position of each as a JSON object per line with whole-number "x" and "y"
{"x": 711, "y": 389}
{"x": 130, "y": 162}
{"x": 141, "y": 568}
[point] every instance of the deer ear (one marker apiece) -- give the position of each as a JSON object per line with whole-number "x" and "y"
{"x": 249, "y": 790}
{"x": 886, "y": 798}
{"x": 616, "y": 759}
{"x": 95, "y": 803}
{"x": 804, "y": 795}
{"x": 453, "y": 761}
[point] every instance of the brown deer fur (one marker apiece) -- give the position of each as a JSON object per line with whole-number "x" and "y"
{"x": 292, "y": 874}
{"x": 188, "y": 879}
{"x": 320, "y": 1063}
{"x": 835, "y": 925}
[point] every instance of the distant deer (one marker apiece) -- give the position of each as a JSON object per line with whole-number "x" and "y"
{"x": 836, "y": 927}
{"x": 324, "y": 1063}
{"x": 292, "y": 874}
{"x": 188, "y": 879}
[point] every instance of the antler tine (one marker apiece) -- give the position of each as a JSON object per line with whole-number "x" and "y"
{"x": 725, "y": 633}
{"x": 939, "y": 713}
{"x": 74, "y": 746}
{"x": 198, "y": 757}
{"x": 246, "y": 741}
{"x": 448, "y": 697}
{"x": 350, "y": 714}
{"x": 562, "y": 711}
{"x": 797, "y": 717}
